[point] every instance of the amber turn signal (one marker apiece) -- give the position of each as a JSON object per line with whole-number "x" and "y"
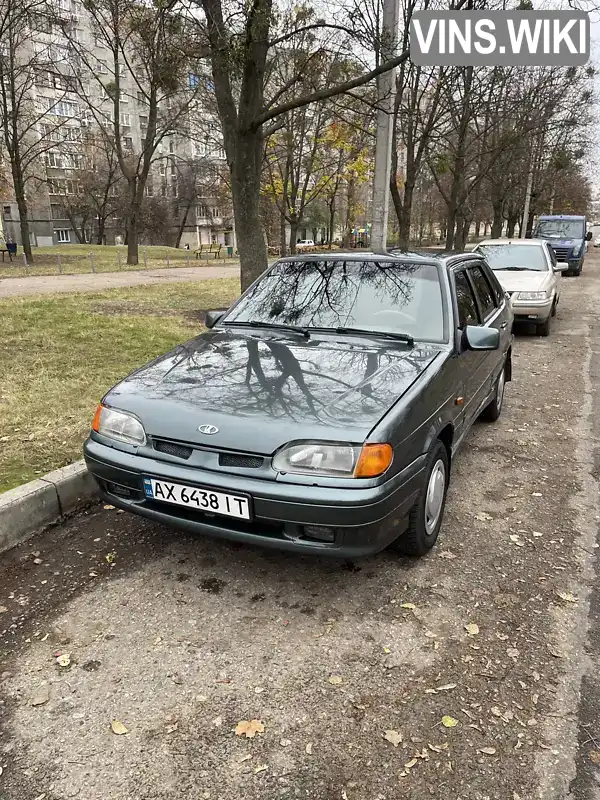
{"x": 374, "y": 459}
{"x": 96, "y": 421}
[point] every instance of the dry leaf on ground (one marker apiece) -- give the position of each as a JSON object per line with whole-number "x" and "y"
{"x": 517, "y": 540}
{"x": 409, "y": 606}
{"x": 63, "y": 660}
{"x": 309, "y": 749}
{"x": 393, "y": 737}
{"x": 447, "y": 554}
{"x": 445, "y": 687}
{"x": 594, "y": 756}
{"x": 449, "y": 722}
{"x": 472, "y": 629}
{"x": 249, "y": 728}
{"x": 3, "y": 609}
{"x": 261, "y": 768}
{"x": 335, "y": 680}
{"x": 567, "y": 597}
{"x": 41, "y": 696}
{"x": 118, "y": 728}
{"x": 488, "y": 751}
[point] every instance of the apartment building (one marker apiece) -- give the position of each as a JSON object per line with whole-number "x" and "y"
{"x": 71, "y": 101}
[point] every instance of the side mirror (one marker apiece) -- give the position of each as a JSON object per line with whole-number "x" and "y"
{"x": 475, "y": 338}
{"x": 588, "y": 236}
{"x": 561, "y": 268}
{"x": 212, "y": 317}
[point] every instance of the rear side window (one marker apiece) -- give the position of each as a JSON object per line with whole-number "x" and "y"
{"x": 467, "y": 307}
{"x": 484, "y": 292}
{"x": 497, "y": 289}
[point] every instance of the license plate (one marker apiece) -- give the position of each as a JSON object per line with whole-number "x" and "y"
{"x": 229, "y": 505}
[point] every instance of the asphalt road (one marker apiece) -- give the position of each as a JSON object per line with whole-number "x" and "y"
{"x": 180, "y": 638}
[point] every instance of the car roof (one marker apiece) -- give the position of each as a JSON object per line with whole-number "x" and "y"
{"x": 437, "y": 257}
{"x": 562, "y": 216}
{"x": 528, "y": 242}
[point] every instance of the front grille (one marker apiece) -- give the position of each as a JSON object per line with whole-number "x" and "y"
{"x": 233, "y": 460}
{"x": 173, "y": 449}
{"x": 562, "y": 253}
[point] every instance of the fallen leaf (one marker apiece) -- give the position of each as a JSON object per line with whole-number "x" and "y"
{"x": 249, "y": 728}
{"x": 118, "y": 728}
{"x": 410, "y": 764}
{"x": 110, "y": 557}
{"x": 285, "y": 742}
{"x": 556, "y": 653}
{"x": 172, "y": 728}
{"x": 41, "y": 696}
{"x": 483, "y": 517}
{"x": 247, "y": 757}
{"x": 3, "y": 609}
{"x": 201, "y": 698}
{"x": 37, "y": 561}
{"x": 594, "y": 756}
{"x": 108, "y": 507}
{"x": 387, "y": 650}
{"x": 517, "y": 540}
{"x": 536, "y": 494}
{"x": 217, "y": 722}
{"x": 258, "y": 689}
{"x": 447, "y": 554}
{"x": 567, "y": 597}
{"x": 309, "y": 749}
{"x": 260, "y": 768}
{"x": 472, "y": 629}
{"x": 488, "y": 751}
{"x": 438, "y": 748}
{"x": 393, "y": 737}
{"x": 335, "y": 680}
{"x": 449, "y": 722}
{"x": 537, "y": 534}
{"x": 445, "y": 687}
{"x": 496, "y": 711}
{"x": 512, "y": 652}
{"x": 409, "y": 606}
{"x": 502, "y": 637}
{"x": 63, "y": 660}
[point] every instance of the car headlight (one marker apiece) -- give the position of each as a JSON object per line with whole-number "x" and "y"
{"x": 533, "y": 295}
{"x": 334, "y": 459}
{"x": 118, "y": 425}
{"x": 577, "y": 250}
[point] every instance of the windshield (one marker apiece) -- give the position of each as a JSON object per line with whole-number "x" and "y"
{"x": 505, "y": 256}
{"x": 560, "y": 228}
{"x": 393, "y": 297}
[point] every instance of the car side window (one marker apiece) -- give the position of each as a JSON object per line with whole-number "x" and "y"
{"x": 552, "y": 254}
{"x": 487, "y": 302}
{"x": 498, "y": 291}
{"x": 465, "y": 299}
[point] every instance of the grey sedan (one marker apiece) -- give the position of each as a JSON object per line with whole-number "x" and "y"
{"x": 321, "y": 412}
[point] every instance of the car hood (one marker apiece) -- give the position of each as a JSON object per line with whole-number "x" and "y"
{"x": 525, "y": 281}
{"x": 556, "y": 241}
{"x": 264, "y": 390}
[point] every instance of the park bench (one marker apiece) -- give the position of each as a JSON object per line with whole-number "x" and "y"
{"x": 10, "y": 248}
{"x": 208, "y": 249}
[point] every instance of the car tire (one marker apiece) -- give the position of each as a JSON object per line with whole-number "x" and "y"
{"x": 494, "y": 408}
{"x": 554, "y": 308}
{"x": 543, "y": 328}
{"x": 425, "y": 518}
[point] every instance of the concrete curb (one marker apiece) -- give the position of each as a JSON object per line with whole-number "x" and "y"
{"x": 28, "y": 508}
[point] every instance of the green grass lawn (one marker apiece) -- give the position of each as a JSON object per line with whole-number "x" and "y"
{"x": 60, "y": 354}
{"x": 74, "y": 259}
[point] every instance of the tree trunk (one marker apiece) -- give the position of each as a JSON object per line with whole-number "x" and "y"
{"x": 182, "y": 224}
{"x": 497, "y": 221}
{"x": 101, "y": 227}
{"x": 511, "y": 224}
{"x": 477, "y": 228}
{"x": 23, "y": 213}
{"x": 331, "y": 224}
{"x": 349, "y": 213}
{"x": 245, "y": 186}
{"x": 405, "y": 220}
{"x": 293, "y": 234}
{"x": 282, "y": 239}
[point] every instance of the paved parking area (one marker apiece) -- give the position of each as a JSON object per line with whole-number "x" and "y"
{"x": 352, "y": 669}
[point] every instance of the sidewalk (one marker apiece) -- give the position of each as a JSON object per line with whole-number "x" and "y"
{"x": 97, "y": 282}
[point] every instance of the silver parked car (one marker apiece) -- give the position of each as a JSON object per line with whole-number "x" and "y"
{"x": 530, "y": 274}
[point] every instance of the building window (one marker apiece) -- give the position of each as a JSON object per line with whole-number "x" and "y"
{"x": 101, "y": 67}
{"x": 64, "y": 108}
{"x": 143, "y": 121}
{"x": 7, "y": 212}
{"x": 125, "y": 120}
{"x": 141, "y": 98}
{"x": 162, "y": 169}
{"x": 63, "y": 235}
{"x": 193, "y": 81}
{"x": 54, "y": 160}
{"x": 128, "y": 142}
{"x": 171, "y": 146}
{"x": 215, "y": 212}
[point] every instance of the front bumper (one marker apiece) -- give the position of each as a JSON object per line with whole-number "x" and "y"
{"x": 363, "y": 521}
{"x": 532, "y": 311}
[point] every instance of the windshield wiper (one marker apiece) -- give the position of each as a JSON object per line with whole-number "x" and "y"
{"x": 514, "y": 269}
{"x": 402, "y": 337}
{"x": 273, "y": 325}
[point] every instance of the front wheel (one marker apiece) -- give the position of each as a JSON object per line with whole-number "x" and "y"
{"x": 543, "y": 329}
{"x": 494, "y": 408}
{"x": 425, "y": 518}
